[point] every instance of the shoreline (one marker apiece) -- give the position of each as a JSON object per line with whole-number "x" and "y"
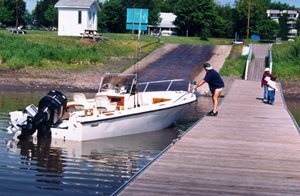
{"x": 29, "y": 79}
{"x": 84, "y": 81}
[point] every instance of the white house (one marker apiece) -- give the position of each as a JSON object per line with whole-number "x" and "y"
{"x": 165, "y": 26}
{"x": 75, "y": 16}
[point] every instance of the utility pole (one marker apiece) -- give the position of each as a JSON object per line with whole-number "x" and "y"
{"x": 248, "y": 19}
{"x": 187, "y": 28}
{"x": 17, "y": 14}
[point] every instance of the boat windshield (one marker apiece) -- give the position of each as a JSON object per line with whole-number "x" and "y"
{"x": 127, "y": 83}
{"x": 164, "y": 85}
{"x": 117, "y": 82}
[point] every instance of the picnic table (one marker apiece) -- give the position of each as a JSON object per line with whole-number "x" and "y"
{"x": 17, "y": 31}
{"x": 90, "y": 33}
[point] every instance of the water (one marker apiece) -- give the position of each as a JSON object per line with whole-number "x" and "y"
{"x": 96, "y": 167}
{"x": 66, "y": 167}
{"x": 293, "y": 105}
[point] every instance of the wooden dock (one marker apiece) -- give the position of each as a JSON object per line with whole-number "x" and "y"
{"x": 250, "y": 148}
{"x": 257, "y": 65}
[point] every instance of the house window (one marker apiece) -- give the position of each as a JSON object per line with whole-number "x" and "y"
{"x": 275, "y": 16}
{"x": 79, "y": 17}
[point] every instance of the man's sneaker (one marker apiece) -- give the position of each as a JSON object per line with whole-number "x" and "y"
{"x": 213, "y": 114}
{"x": 209, "y": 113}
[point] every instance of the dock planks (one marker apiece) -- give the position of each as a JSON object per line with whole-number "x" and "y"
{"x": 250, "y": 148}
{"x": 257, "y": 65}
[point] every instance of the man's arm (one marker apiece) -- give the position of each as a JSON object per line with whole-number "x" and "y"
{"x": 200, "y": 83}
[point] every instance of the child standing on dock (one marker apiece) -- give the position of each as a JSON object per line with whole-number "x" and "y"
{"x": 264, "y": 84}
{"x": 271, "y": 89}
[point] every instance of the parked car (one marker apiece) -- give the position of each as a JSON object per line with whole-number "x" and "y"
{"x": 238, "y": 41}
{"x": 167, "y": 33}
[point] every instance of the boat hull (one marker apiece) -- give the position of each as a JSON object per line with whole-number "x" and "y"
{"x": 120, "y": 107}
{"x": 121, "y": 125}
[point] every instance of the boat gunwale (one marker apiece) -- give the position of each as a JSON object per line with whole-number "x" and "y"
{"x": 139, "y": 113}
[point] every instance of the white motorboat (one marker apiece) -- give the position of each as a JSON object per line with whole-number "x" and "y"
{"x": 120, "y": 107}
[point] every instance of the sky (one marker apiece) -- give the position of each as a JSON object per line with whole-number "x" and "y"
{"x": 30, "y": 4}
{"x": 295, "y": 3}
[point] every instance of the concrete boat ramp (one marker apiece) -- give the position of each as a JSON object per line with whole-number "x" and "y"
{"x": 250, "y": 148}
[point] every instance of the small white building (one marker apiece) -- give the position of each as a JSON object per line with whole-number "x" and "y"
{"x": 75, "y": 16}
{"x": 292, "y": 16}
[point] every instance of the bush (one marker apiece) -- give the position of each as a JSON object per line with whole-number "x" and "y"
{"x": 286, "y": 58}
{"x": 204, "y": 34}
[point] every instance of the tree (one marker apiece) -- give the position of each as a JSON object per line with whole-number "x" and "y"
{"x": 10, "y": 10}
{"x": 168, "y": 5}
{"x": 267, "y": 29}
{"x": 51, "y": 15}
{"x": 27, "y": 17}
{"x": 224, "y": 22}
{"x": 283, "y": 26}
{"x": 194, "y": 17}
{"x": 112, "y": 17}
{"x": 281, "y": 6}
{"x": 6, "y": 16}
{"x": 257, "y": 15}
{"x": 298, "y": 25}
{"x": 40, "y": 10}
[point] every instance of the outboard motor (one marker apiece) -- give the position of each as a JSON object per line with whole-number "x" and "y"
{"x": 51, "y": 108}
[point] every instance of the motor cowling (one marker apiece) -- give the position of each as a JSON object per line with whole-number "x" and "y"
{"x": 51, "y": 108}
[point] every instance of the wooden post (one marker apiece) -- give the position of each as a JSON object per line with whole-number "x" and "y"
{"x": 17, "y": 15}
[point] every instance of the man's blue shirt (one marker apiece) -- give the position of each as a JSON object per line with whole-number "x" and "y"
{"x": 214, "y": 80}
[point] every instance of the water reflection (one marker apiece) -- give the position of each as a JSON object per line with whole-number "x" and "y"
{"x": 47, "y": 161}
{"x": 87, "y": 167}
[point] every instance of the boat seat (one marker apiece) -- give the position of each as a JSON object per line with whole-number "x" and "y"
{"x": 104, "y": 104}
{"x": 81, "y": 102}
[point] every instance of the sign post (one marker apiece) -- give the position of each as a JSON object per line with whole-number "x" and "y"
{"x": 137, "y": 19}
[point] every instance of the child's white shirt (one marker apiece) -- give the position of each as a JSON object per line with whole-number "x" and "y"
{"x": 272, "y": 85}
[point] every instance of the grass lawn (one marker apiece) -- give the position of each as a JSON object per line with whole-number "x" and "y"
{"x": 47, "y": 50}
{"x": 43, "y": 49}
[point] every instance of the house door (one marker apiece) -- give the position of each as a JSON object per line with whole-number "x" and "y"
{"x": 90, "y": 20}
